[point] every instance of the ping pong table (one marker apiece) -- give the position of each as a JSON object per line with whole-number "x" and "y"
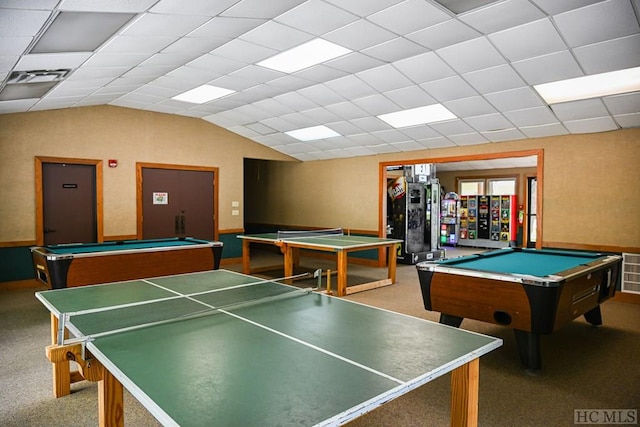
{"x": 224, "y": 348}
{"x": 332, "y": 240}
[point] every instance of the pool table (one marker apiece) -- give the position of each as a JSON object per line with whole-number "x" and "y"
{"x": 533, "y": 291}
{"x": 77, "y": 264}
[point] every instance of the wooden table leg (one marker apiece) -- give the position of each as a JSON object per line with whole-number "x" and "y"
{"x": 342, "y": 273}
{"x": 464, "y": 394}
{"x": 110, "y": 401}
{"x": 289, "y": 260}
{"x": 246, "y": 257}
{"x": 61, "y": 371}
{"x": 392, "y": 261}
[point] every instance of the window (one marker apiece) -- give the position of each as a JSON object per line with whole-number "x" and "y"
{"x": 470, "y": 187}
{"x": 502, "y": 186}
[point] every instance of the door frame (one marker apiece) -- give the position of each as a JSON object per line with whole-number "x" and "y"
{"x": 97, "y": 164}
{"x": 539, "y": 153}
{"x": 141, "y": 165}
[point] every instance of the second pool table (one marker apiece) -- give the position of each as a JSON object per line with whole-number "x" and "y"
{"x": 532, "y": 291}
{"x": 67, "y": 265}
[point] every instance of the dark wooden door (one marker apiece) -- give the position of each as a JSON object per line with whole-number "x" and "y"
{"x": 69, "y": 203}
{"x": 172, "y": 198}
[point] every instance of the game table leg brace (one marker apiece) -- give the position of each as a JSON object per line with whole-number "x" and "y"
{"x": 464, "y": 383}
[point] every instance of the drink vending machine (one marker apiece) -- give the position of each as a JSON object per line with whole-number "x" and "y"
{"x": 413, "y": 202}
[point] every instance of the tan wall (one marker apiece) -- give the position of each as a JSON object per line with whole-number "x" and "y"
{"x": 128, "y": 135}
{"x": 591, "y": 188}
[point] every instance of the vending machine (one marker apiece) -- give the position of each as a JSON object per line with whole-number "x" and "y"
{"x": 488, "y": 221}
{"x": 450, "y": 219}
{"x": 412, "y": 213}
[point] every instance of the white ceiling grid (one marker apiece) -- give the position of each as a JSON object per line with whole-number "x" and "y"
{"x": 480, "y": 64}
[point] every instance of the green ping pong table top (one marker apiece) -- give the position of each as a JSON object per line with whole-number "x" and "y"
{"x": 307, "y": 359}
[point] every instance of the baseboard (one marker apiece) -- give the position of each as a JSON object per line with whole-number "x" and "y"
{"x": 22, "y": 284}
{"x": 626, "y": 297}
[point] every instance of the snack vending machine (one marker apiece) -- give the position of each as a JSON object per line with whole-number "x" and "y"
{"x": 450, "y": 219}
{"x": 488, "y": 221}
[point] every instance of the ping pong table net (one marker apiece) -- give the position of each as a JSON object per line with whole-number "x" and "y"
{"x": 297, "y": 234}
{"x": 94, "y": 323}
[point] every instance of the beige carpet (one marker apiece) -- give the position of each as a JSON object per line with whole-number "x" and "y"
{"x": 583, "y": 368}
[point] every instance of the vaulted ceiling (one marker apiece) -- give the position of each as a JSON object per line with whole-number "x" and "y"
{"x": 481, "y": 64}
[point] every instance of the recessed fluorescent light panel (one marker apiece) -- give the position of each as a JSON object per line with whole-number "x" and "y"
{"x": 418, "y": 116}
{"x": 312, "y": 133}
{"x": 80, "y": 31}
{"x": 304, "y": 56}
{"x": 612, "y": 83}
{"x": 202, "y": 94}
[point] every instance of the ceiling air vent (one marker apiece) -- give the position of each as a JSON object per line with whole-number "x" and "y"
{"x": 37, "y": 76}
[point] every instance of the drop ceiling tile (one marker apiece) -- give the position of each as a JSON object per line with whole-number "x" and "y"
{"x": 407, "y": 145}
{"x": 347, "y": 110}
{"x": 542, "y": 131}
{"x": 528, "y": 41}
{"x": 17, "y": 106}
{"x": 140, "y": 98}
{"x": 233, "y": 83}
{"x": 448, "y": 89}
{"x": 168, "y": 59}
{"x": 84, "y": 73}
{"x": 409, "y": 16}
{"x": 370, "y": 124}
{"x": 628, "y": 120}
{"x": 253, "y": 112}
{"x": 260, "y": 128}
{"x": 444, "y": 34}
{"x": 256, "y": 74}
{"x": 122, "y": 6}
{"x": 359, "y": 35}
{"x": 12, "y": 46}
{"x": 578, "y": 110}
{"x": 531, "y": 117}
{"x": 116, "y": 59}
{"x": 503, "y": 135}
{"x": 425, "y": 67}
{"x": 611, "y": 55}
{"x": 472, "y": 55}
{"x": 354, "y": 62}
{"x": 515, "y": 99}
{"x": 192, "y": 7}
{"x": 494, "y": 79}
{"x": 151, "y": 24}
{"x": 468, "y": 107}
{"x": 216, "y": 64}
{"x": 344, "y": 127}
{"x": 273, "y": 107}
{"x": 322, "y": 115}
{"x": 489, "y": 122}
{"x": 321, "y": 94}
{"x": 260, "y": 8}
{"x": 316, "y": 17}
{"x": 468, "y": 139}
{"x": 394, "y": 50}
{"x": 350, "y": 87}
{"x": 410, "y": 97}
{"x": 554, "y": 7}
{"x": 376, "y": 104}
{"x": 623, "y": 104}
{"x": 243, "y": 131}
{"x": 291, "y": 83}
{"x": 597, "y": 22}
{"x": 320, "y": 73}
{"x": 19, "y": 23}
{"x": 384, "y": 78}
{"x": 243, "y": 51}
{"x": 127, "y": 104}
{"x": 358, "y": 151}
{"x": 452, "y": 127}
{"x": 366, "y": 139}
{"x": 437, "y": 142}
{"x": 51, "y": 61}
{"x": 149, "y": 73}
{"x": 195, "y": 45}
{"x": 548, "y": 68}
{"x": 276, "y": 36}
{"x": 227, "y": 28}
{"x": 7, "y": 63}
{"x": 501, "y": 15}
{"x": 299, "y": 120}
{"x": 364, "y": 7}
{"x": 195, "y": 75}
{"x": 599, "y": 124}
{"x": 171, "y": 83}
{"x": 383, "y": 148}
{"x": 125, "y": 44}
{"x": 420, "y": 132}
{"x": 33, "y": 4}
{"x": 295, "y": 101}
